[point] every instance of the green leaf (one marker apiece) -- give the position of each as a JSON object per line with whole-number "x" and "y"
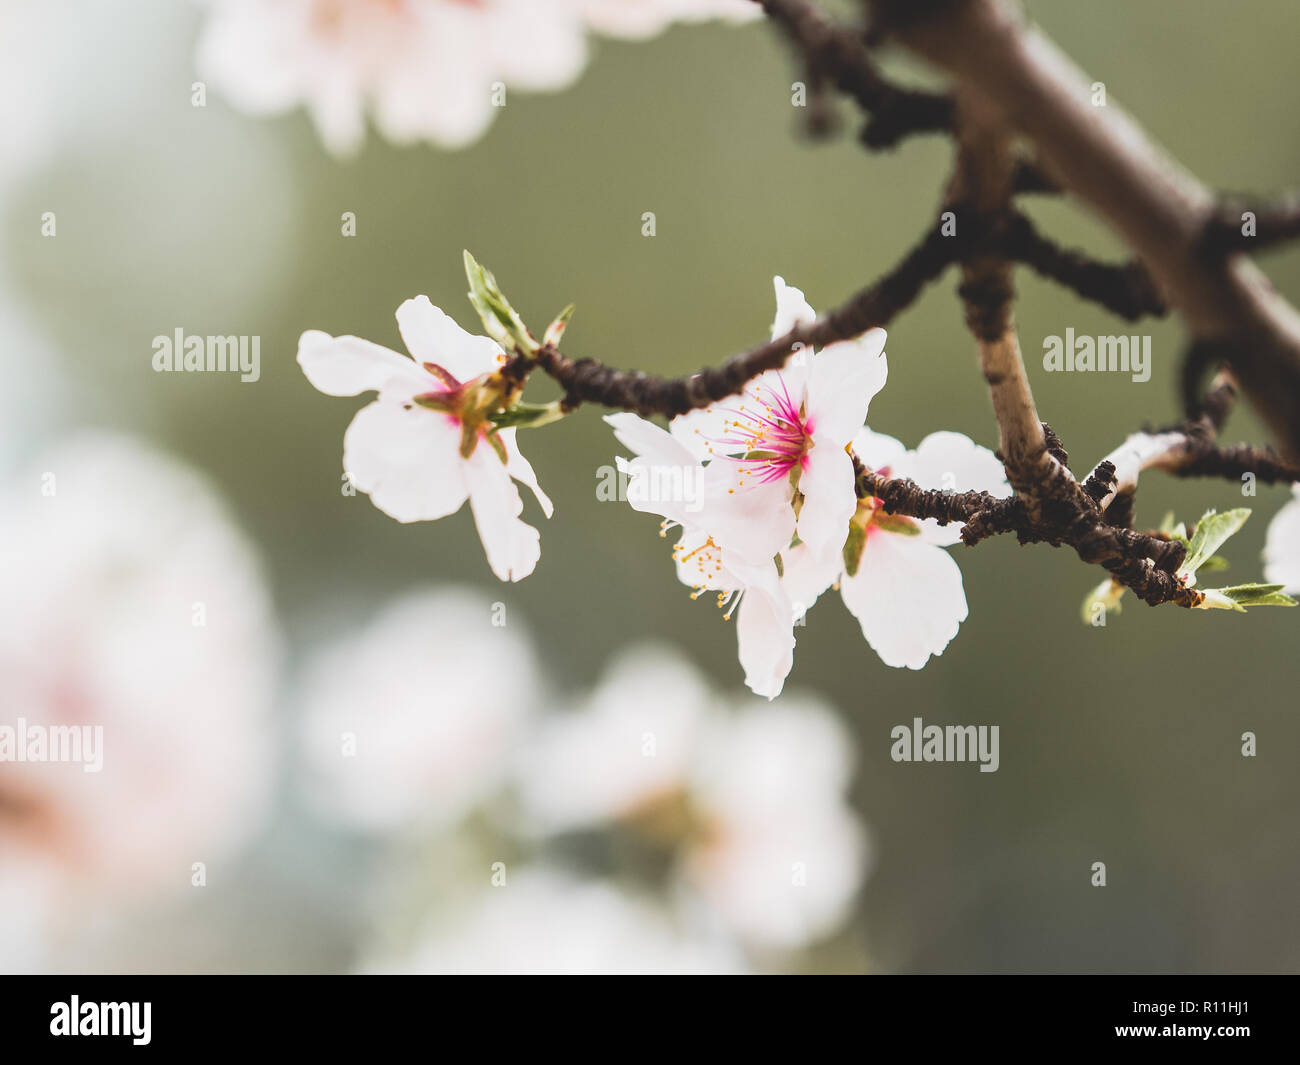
{"x": 1240, "y": 596}
{"x": 853, "y": 548}
{"x": 500, "y": 319}
{"x": 1174, "y": 529}
{"x": 1212, "y": 531}
{"x": 896, "y": 523}
{"x": 528, "y": 415}
{"x": 555, "y": 330}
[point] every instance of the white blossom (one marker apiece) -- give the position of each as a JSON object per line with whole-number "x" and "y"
{"x": 542, "y": 921}
{"x": 424, "y": 70}
{"x": 132, "y": 606}
{"x": 425, "y": 444}
{"x": 1282, "y": 547}
{"x": 751, "y": 798}
{"x": 906, "y": 589}
{"x": 412, "y": 720}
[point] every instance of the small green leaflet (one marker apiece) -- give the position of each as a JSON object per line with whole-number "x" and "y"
{"x": 528, "y": 415}
{"x": 1240, "y": 596}
{"x": 555, "y": 330}
{"x": 1173, "y": 528}
{"x": 500, "y": 320}
{"x": 853, "y": 547}
{"x": 1212, "y": 531}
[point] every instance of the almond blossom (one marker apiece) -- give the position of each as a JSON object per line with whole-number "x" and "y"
{"x": 893, "y": 573}
{"x": 426, "y": 70}
{"x": 776, "y": 470}
{"x": 133, "y": 605}
{"x": 781, "y": 446}
{"x": 545, "y": 921}
{"x": 749, "y": 799}
{"x": 747, "y": 586}
{"x": 427, "y": 443}
{"x": 1282, "y": 547}
{"x": 412, "y": 720}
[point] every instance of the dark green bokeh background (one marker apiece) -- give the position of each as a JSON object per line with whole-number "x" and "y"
{"x": 1119, "y": 744}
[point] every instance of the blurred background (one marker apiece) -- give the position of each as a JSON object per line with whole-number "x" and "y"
{"x": 1119, "y": 744}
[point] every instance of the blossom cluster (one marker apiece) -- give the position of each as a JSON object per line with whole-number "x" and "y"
{"x": 775, "y": 523}
{"x": 703, "y": 831}
{"x": 780, "y": 521}
{"x": 137, "y": 607}
{"x": 425, "y": 70}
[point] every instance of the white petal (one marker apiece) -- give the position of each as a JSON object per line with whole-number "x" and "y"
{"x": 512, "y": 546}
{"x": 907, "y": 596}
{"x": 755, "y": 521}
{"x": 535, "y": 47}
{"x": 949, "y": 461}
{"x": 699, "y": 563}
{"x": 829, "y": 500}
{"x": 644, "y": 438}
{"x": 1282, "y": 548}
{"x": 791, "y": 309}
{"x": 438, "y": 90}
{"x": 791, "y": 379}
{"x": 432, "y": 336}
{"x": 664, "y": 477}
{"x": 406, "y": 460}
{"x": 337, "y": 112}
{"x": 953, "y": 461}
{"x": 522, "y": 470}
{"x": 700, "y": 431}
{"x": 244, "y": 52}
{"x": 347, "y": 365}
{"x": 879, "y": 451}
{"x": 1137, "y": 451}
{"x": 588, "y": 767}
{"x": 764, "y": 632}
{"x": 842, "y": 380}
{"x": 774, "y": 779}
{"x": 805, "y": 576}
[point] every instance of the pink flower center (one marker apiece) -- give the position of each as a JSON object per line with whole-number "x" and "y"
{"x": 772, "y": 430}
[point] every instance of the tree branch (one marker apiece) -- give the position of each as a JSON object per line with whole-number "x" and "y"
{"x": 984, "y": 181}
{"x": 1274, "y": 223}
{"x": 1127, "y": 290}
{"x": 1103, "y": 157}
{"x": 590, "y": 381}
{"x": 837, "y": 54}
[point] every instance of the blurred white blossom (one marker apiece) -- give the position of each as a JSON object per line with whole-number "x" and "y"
{"x": 630, "y": 746}
{"x": 750, "y": 797}
{"x": 426, "y": 70}
{"x": 412, "y": 720}
{"x": 1282, "y": 547}
{"x": 131, "y": 604}
{"x": 645, "y": 18}
{"x": 26, "y": 89}
{"x": 545, "y": 921}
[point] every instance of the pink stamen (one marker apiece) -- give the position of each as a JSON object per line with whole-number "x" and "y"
{"x": 777, "y": 430}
